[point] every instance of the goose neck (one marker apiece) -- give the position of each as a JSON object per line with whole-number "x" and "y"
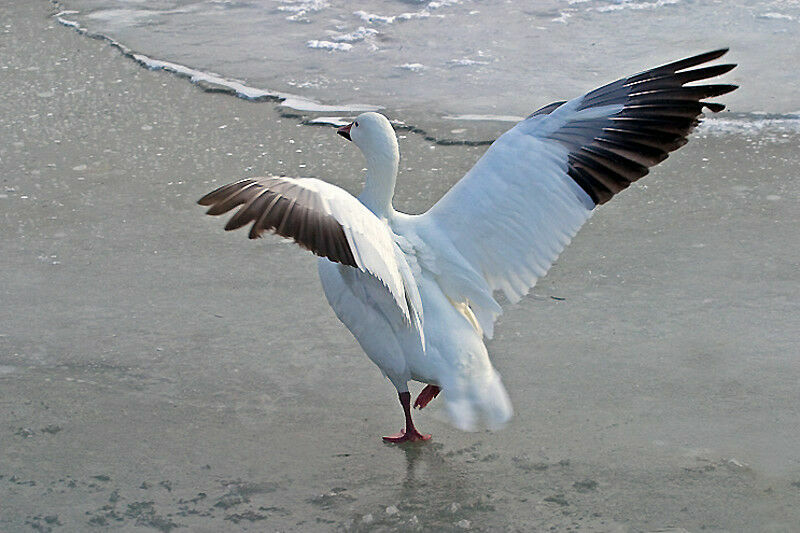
{"x": 380, "y": 183}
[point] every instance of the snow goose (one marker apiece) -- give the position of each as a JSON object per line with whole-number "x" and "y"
{"x": 417, "y": 291}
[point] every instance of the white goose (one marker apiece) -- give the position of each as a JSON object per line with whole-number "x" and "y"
{"x": 417, "y": 291}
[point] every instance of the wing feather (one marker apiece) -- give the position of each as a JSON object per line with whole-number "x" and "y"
{"x": 512, "y": 214}
{"x": 325, "y": 220}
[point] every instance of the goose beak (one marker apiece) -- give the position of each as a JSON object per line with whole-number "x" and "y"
{"x": 344, "y": 131}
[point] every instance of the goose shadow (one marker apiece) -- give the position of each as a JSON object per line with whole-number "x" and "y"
{"x": 437, "y": 489}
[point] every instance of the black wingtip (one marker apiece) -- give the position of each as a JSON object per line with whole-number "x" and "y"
{"x": 726, "y": 67}
{"x": 720, "y": 89}
{"x": 220, "y": 192}
{"x": 680, "y": 65}
{"x": 708, "y": 56}
{"x": 713, "y": 106}
{"x": 660, "y": 108}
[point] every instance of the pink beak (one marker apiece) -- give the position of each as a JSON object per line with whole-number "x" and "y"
{"x": 344, "y": 131}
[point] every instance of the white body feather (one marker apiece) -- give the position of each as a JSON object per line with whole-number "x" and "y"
{"x": 454, "y": 355}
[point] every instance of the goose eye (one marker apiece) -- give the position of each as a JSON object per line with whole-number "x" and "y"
{"x": 356, "y": 124}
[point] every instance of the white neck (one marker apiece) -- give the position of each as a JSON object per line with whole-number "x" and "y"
{"x": 380, "y": 181}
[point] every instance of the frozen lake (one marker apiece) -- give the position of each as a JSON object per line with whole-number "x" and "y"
{"x": 156, "y": 372}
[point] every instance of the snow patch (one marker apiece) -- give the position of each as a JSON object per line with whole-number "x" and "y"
{"x": 775, "y": 16}
{"x": 632, "y": 4}
{"x": 354, "y": 36}
{"x": 300, "y": 9}
{"x": 413, "y": 67}
{"x": 330, "y": 46}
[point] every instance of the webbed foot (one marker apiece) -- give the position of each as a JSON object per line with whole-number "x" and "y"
{"x": 428, "y": 393}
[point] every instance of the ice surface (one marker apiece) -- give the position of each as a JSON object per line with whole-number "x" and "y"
{"x": 169, "y": 375}
{"x": 515, "y": 56}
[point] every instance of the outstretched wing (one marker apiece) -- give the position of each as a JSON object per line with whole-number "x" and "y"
{"x": 326, "y": 220}
{"x": 510, "y": 216}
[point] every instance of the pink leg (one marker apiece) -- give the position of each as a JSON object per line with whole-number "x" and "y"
{"x": 428, "y": 393}
{"x": 410, "y": 434}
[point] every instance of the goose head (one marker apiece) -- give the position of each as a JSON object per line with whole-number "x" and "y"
{"x": 375, "y": 137}
{"x": 372, "y": 133}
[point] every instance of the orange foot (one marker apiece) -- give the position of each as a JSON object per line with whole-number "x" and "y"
{"x": 428, "y": 393}
{"x": 406, "y": 436}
